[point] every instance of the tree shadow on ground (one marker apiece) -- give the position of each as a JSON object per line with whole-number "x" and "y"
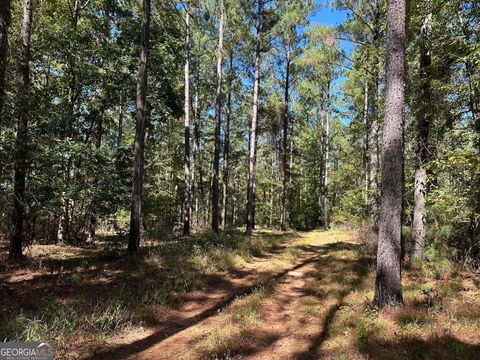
{"x": 162, "y": 274}
{"x": 408, "y": 348}
{"x": 244, "y": 348}
{"x": 255, "y": 340}
{"x": 331, "y": 269}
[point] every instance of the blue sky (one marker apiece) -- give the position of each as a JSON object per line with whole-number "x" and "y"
{"x": 327, "y": 15}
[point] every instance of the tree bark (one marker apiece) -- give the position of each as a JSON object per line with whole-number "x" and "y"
{"x": 196, "y": 140}
{"x": 66, "y": 204}
{"x": 366, "y": 147}
{"x": 374, "y": 126}
{"x": 137, "y": 185}
{"x": 226, "y": 146}
{"x": 272, "y": 177}
{"x": 423, "y": 127}
{"x": 373, "y": 176}
{"x": 253, "y": 130}
{"x": 286, "y": 100}
{"x": 5, "y": 17}
{"x": 120, "y": 123}
{"x": 93, "y": 216}
{"x": 22, "y": 134}
{"x": 326, "y": 211}
{"x": 187, "y": 202}
{"x": 388, "y": 286}
{"x": 218, "y": 120}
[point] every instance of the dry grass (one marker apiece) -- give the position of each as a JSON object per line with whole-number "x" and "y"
{"x": 236, "y": 328}
{"x": 440, "y": 318}
{"x": 78, "y": 297}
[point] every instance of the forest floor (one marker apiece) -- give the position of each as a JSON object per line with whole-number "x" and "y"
{"x": 274, "y": 296}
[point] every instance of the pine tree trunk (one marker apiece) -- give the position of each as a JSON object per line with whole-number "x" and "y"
{"x": 66, "y": 205}
{"x": 120, "y": 123}
{"x": 388, "y": 286}
{"x": 254, "y": 212}
{"x": 374, "y": 120}
{"x": 5, "y": 17}
{"x": 366, "y": 147}
{"x": 326, "y": 211}
{"x": 218, "y": 120}
{"x": 253, "y": 132}
{"x": 235, "y": 199}
{"x": 283, "y": 212}
{"x": 187, "y": 202}
{"x": 22, "y": 134}
{"x": 196, "y": 140}
{"x": 272, "y": 177}
{"x": 92, "y": 225}
{"x": 373, "y": 176}
{"x": 135, "y": 215}
{"x": 226, "y": 146}
{"x": 423, "y": 127}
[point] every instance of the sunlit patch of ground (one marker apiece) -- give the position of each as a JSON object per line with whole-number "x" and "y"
{"x": 440, "y": 319}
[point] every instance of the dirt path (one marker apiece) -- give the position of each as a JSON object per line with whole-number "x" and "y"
{"x": 285, "y": 319}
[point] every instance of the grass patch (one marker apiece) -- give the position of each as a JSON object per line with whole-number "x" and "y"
{"x": 238, "y": 321}
{"x": 108, "y": 290}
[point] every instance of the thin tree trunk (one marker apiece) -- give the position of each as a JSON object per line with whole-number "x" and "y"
{"x": 320, "y": 171}
{"x": 283, "y": 212}
{"x": 388, "y": 285}
{"x": 135, "y": 215}
{"x": 272, "y": 177}
{"x": 120, "y": 123}
{"x": 218, "y": 120}
{"x": 187, "y": 202}
{"x": 254, "y": 207}
{"x": 66, "y": 205}
{"x": 93, "y": 216}
{"x": 423, "y": 127}
{"x": 326, "y": 211}
{"x": 235, "y": 199}
{"x": 5, "y": 17}
{"x": 366, "y": 147}
{"x": 253, "y": 129}
{"x": 226, "y": 146}
{"x": 196, "y": 140}
{"x": 22, "y": 134}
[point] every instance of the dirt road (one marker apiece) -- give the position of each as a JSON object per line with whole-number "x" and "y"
{"x": 285, "y": 317}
